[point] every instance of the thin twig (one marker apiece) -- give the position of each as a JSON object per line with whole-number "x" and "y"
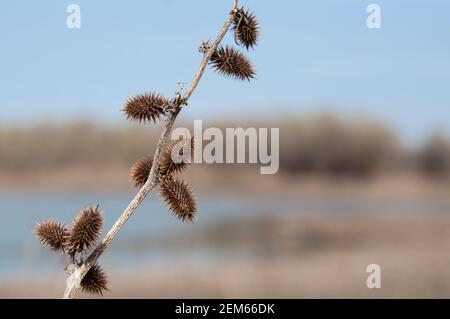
{"x": 76, "y": 274}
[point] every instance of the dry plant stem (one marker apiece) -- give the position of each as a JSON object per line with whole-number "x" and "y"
{"x": 77, "y": 274}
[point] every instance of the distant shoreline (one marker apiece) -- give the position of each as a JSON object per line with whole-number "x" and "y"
{"x": 216, "y": 179}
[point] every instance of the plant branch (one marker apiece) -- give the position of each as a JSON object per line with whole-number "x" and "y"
{"x": 77, "y": 273}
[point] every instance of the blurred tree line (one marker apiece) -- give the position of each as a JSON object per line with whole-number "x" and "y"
{"x": 323, "y": 144}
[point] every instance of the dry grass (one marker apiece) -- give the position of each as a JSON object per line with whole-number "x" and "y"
{"x": 317, "y": 153}
{"x": 324, "y": 144}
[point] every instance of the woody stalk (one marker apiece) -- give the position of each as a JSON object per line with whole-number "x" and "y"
{"x": 161, "y": 170}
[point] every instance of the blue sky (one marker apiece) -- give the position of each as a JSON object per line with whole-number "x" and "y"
{"x": 313, "y": 56}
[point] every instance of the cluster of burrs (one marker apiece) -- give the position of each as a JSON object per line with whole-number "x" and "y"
{"x": 176, "y": 193}
{"x": 150, "y": 107}
{"x": 227, "y": 60}
{"x": 76, "y": 240}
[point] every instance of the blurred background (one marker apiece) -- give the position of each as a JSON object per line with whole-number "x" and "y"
{"x": 364, "y": 118}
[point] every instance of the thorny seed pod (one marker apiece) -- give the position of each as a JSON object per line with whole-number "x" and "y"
{"x": 180, "y": 199}
{"x": 140, "y": 171}
{"x": 146, "y": 107}
{"x": 246, "y": 28}
{"x": 95, "y": 281}
{"x": 230, "y": 62}
{"x": 173, "y": 162}
{"x": 52, "y": 234}
{"x": 85, "y": 229}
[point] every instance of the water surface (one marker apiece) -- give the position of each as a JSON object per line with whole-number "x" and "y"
{"x": 20, "y": 252}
